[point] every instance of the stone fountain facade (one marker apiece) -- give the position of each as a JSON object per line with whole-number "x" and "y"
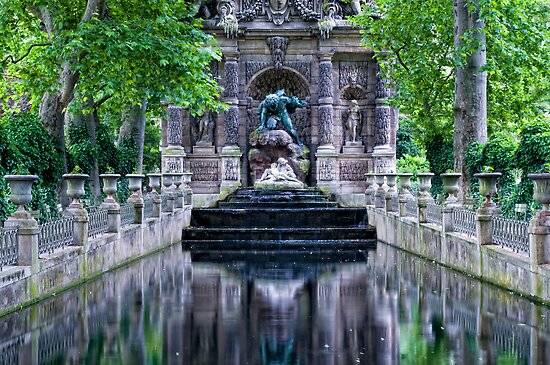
{"x": 311, "y": 51}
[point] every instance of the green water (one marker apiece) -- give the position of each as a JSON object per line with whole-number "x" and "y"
{"x": 380, "y": 307}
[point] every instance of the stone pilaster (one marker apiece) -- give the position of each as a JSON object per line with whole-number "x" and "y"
{"x": 231, "y": 170}
{"x": 384, "y": 118}
{"x": 327, "y": 165}
{"x": 174, "y": 154}
{"x": 231, "y": 97}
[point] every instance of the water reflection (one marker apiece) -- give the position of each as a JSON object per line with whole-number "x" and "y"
{"x": 381, "y": 307}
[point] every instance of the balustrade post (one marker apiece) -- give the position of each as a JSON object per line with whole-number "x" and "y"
{"x": 167, "y": 182}
{"x": 391, "y": 194}
{"x": 404, "y": 193}
{"x": 370, "y": 191}
{"x": 380, "y": 195}
{"x": 154, "y": 184}
{"x": 178, "y": 190}
{"x": 539, "y": 227}
{"x": 27, "y": 226}
{"x": 424, "y": 196}
{"x": 110, "y": 203}
{"x": 75, "y": 191}
{"x": 451, "y": 188}
{"x": 485, "y": 214}
{"x": 135, "y": 183}
{"x": 188, "y": 192}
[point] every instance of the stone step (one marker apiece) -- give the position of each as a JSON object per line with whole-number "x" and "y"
{"x": 279, "y": 217}
{"x": 279, "y": 245}
{"x": 278, "y": 234}
{"x": 278, "y": 198}
{"x": 277, "y": 204}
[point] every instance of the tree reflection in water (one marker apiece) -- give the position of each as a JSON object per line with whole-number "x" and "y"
{"x": 380, "y": 307}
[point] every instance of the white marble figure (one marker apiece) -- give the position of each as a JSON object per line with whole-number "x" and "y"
{"x": 279, "y": 171}
{"x": 354, "y": 118}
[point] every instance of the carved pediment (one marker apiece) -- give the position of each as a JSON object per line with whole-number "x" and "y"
{"x": 279, "y": 11}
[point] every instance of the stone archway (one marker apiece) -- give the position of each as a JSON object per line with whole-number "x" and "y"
{"x": 270, "y": 80}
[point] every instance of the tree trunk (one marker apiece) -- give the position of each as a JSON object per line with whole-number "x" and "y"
{"x": 470, "y": 109}
{"x": 133, "y": 130}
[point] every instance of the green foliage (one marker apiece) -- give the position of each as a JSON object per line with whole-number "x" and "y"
{"x": 125, "y": 52}
{"x": 439, "y": 153}
{"x": 413, "y": 40}
{"x": 406, "y": 144}
{"x": 412, "y": 164}
{"x": 26, "y": 146}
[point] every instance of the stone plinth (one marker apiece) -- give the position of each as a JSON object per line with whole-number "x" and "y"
{"x": 353, "y": 148}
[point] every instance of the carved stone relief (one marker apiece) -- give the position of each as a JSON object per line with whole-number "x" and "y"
{"x": 175, "y": 120}
{"x": 231, "y": 79}
{"x": 383, "y": 90}
{"x": 326, "y": 170}
{"x": 353, "y": 73}
{"x": 205, "y": 170}
{"x": 277, "y": 46}
{"x": 325, "y": 79}
{"x": 172, "y": 164}
{"x": 353, "y": 170}
{"x": 231, "y": 169}
{"x": 382, "y": 123}
{"x": 231, "y": 122}
{"x": 325, "y": 125}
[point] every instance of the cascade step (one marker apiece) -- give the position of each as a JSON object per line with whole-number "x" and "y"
{"x": 278, "y": 244}
{"x": 279, "y": 198}
{"x": 276, "y": 204}
{"x": 279, "y": 217}
{"x": 277, "y": 234}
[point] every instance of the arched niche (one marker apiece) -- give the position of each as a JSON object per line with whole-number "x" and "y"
{"x": 270, "y": 80}
{"x": 353, "y": 92}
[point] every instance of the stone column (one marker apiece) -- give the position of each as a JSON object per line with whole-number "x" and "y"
{"x": 28, "y": 229}
{"x": 384, "y": 118}
{"x": 380, "y": 195}
{"x": 404, "y": 193}
{"x": 371, "y": 189}
{"x": 174, "y": 154}
{"x": 231, "y": 152}
{"x": 327, "y": 167}
{"x": 391, "y": 194}
{"x": 485, "y": 214}
{"x": 110, "y": 203}
{"x": 154, "y": 184}
{"x": 451, "y": 188}
{"x": 135, "y": 183}
{"x": 424, "y": 196}
{"x": 539, "y": 227}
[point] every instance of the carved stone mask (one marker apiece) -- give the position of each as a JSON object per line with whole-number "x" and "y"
{"x": 278, "y": 5}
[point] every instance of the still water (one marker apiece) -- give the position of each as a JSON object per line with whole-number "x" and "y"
{"x": 381, "y": 307}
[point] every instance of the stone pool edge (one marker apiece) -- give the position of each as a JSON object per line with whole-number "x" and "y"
{"x": 70, "y": 267}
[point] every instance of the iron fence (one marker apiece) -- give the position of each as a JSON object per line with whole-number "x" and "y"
{"x": 8, "y": 247}
{"x": 55, "y": 234}
{"x": 127, "y": 214}
{"x": 511, "y": 234}
{"x": 464, "y": 221}
{"x": 434, "y": 213}
{"x": 98, "y": 221}
{"x": 411, "y": 207}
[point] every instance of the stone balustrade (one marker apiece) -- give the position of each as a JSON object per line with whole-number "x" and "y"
{"x": 512, "y": 253}
{"x": 84, "y": 240}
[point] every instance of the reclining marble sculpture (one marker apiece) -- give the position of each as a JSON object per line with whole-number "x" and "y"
{"x": 279, "y": 176}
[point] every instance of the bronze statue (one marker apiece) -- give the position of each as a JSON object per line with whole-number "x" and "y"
{"x": 277, "y": 108}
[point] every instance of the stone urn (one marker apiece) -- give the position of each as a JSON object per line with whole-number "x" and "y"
{"x": 404, "y": 184}
{"x": 75, "y": 188}
{"x": 154, "y": 182}
{"x": 135, "y": 183}
{"x": 391, "y": 193}
{"x": 21, "y": 190}
{"x": 488, "y": 186}
{"x": 541, "y": 191}
{"x": 451, "y": 187}
{"x": 110, "y": 187}
{"x": 425, "y": 179}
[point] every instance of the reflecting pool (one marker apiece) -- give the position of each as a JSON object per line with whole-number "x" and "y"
{"x": 381, "y": 307}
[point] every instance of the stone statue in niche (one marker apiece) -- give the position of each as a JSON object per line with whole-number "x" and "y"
{"x": 279, "y": 176}
{"x": 228, "y": 21}
{"x": 354, "y": 120}
{"x": 277, "y": 108}
{"x": 205, "y": 130}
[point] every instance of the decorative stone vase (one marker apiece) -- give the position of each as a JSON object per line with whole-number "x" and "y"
{"x": 371, "y": 188}
{"x": 75, "y": 188}
{"x": 391, "y": 193}
{"x": 154, "y": 182}
{"x": 110, "y": 187}
{"x": 541, "y": 191}
{"x": 405, "y": 184}
{"x": 21, "y": 189}
{"x": 488, "y": 187}
{"x": 135, "y": 183}
{"x": 379, "y": 196}
{"x": 451, "y": 187}
{"x": 425, "y": 179}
